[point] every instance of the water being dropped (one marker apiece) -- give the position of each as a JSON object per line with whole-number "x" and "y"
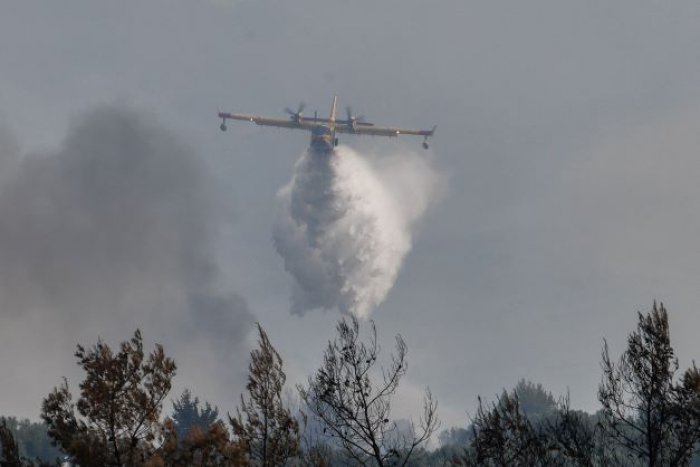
{"x": 344, "y": 227}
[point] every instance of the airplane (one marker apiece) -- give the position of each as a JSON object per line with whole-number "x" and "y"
{"x": 323, "y": 130}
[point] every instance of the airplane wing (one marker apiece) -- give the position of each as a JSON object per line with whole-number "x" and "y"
{"x": 381, "y": 131}
{"x": 267, "y": 121}
{"x": 337, "y": 122}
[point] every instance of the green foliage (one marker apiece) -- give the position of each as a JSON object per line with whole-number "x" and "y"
{"x": 116, "y": 418}
{"x": 32, "y": 439}
{"x": 515, "y": 430}
{"x": 9, "y": 452}
{"x": 454, "y": 436}
{"x": 535, "y": 401}
{"x": 188, "y": 413}
{"x": 649, "y": 416}
{"x": 504, "y": 435}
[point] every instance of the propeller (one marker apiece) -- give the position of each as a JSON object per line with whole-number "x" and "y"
{"x": 352, "y": 118}
{"x": 300, "y": 110}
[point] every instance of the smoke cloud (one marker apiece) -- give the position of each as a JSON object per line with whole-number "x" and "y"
{"x": 117, "y": 229}
{"x": 344, "y": 227}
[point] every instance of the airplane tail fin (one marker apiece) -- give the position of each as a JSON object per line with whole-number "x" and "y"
{"x": 333, "y": 111}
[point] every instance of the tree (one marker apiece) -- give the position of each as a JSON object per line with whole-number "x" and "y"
{"x": 454, "y": 436}
{"x": 195, "y": 436}
{"x": 32, "y": 440}
{"x": 502, "y": 435}
{"x": 535, "y": 401}
{"x": 9, "y": 451}
{"x": 548, "y": 433}
{"x": 355, "y": 407}
{"x": 117, "y": 419}
{"x": 187, "y": 414}
{"x": 647, "y": 414}
{"x": 209, "y": 446}
{"x": 263, "y": 423}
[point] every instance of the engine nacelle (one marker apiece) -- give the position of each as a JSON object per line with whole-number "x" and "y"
{"x": 222, "y": 126}
{"x": 425, "y": 145}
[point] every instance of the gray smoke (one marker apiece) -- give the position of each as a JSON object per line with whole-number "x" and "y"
{"x": 115, "y": 230}
{"x": 345, "y": 226}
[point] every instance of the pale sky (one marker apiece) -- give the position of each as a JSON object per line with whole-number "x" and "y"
{"x": 567, "y": 141}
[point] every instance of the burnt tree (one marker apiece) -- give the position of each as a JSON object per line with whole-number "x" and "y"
{"x": 352, "y": 398}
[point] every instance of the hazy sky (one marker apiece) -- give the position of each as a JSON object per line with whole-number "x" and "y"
{"x": 567, "y": 142}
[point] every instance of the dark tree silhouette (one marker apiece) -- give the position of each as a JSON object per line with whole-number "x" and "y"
{"x": 504, "y": 434}
{"x": 32, "y": 440}
{"x": 189, "y": 413}
{"x": 355, "y": 407}
{"x": 209, "y": 447}
{"x": 9, "y": 451}
{"x": 263, "y": 424}
{"x": 535, "y": 401}
{"x": 647, "y": 414}
{"x": 117, "y": 419}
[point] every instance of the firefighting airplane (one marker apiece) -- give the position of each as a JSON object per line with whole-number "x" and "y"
{"x": 323, "y": 130}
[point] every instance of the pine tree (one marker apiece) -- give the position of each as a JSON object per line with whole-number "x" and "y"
{"x": 9, "y": 451}
{"x": 263, "y": 424}
{"x": 648, "y": 415}
{"x": 189, "y": 413}
{"x": 117, "y": 419}
{"x": 354, "y": 404}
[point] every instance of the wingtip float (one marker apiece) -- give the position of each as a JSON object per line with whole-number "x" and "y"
{"x": 323, "y": 130}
